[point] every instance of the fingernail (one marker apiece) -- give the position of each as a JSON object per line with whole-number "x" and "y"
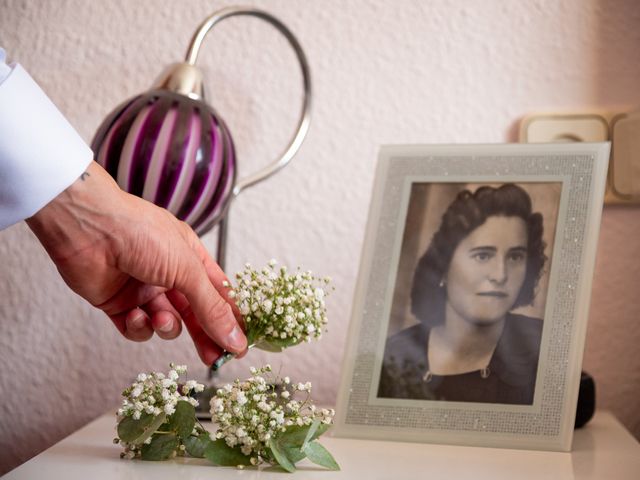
{"x": 166, "y": 327}
{"x": 236, "y": 339}
{"x": 138, "y": 321}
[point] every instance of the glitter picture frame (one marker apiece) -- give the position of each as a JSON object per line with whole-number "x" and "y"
{"x": 413, "y": 186}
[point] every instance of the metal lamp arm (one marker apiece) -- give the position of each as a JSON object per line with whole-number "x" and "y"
{"x": 305, "y": 113}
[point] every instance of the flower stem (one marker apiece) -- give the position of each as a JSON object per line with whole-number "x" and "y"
{"x": 224, "y": 358}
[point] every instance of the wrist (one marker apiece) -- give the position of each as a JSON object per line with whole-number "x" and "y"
{"x": 72, "y": 219}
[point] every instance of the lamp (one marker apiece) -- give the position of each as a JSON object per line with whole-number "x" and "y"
{"x": 170, "y": 147}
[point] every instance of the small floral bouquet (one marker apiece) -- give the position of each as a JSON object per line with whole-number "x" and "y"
{"x": 261, "y": 419}
{"x": 157, "y": 419}
{"x": 261, "y": 424}
{"x": 280, "y": 309}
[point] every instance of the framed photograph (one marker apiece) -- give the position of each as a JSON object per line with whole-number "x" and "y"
{"x": 470, "y": 312}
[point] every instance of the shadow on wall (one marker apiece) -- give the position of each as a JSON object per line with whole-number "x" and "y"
{"x": 614, "y": 331}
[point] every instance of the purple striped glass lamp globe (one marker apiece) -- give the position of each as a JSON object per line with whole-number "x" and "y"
{"x": 172, "y": 150}
{"x": 170, "y": 147}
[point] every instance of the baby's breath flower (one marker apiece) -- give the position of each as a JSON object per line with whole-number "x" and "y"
{"x": 153, "y": 393}
{"x": 261, "y": 412}
{"x": 280, "y": 308}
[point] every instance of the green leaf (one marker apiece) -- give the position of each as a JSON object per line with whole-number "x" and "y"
{"x": 160, "y": 448}
{"x": 137, "y": 431}
{"x": 282, "y": 343}
{"x": 320, "y": 456}
{"x": 295, "y": 435}
{"x": 220, "y": 453}
{"x": 313, "y": 428}
{"x": 183, "y": 419}
{"x": 268, "y": 347}
{"x": 253, "y": 337}
{"x": 281, "y": 456}
{"x": 196, "y": 445}
{"x": 294, "y": 454}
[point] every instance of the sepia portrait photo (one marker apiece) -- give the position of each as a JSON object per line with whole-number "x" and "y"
{"x": 467, "y": 312}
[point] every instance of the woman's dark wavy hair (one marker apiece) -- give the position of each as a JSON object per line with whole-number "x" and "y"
{"x": 466, "y": 213}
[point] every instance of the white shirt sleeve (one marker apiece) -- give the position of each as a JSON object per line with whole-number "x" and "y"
{"x": 40, "y": 152}
{"x": 5, "y": 69}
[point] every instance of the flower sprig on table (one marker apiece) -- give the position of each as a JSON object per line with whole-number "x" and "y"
{"x": 261, "y": 423}
{"x": 259, "y": 420}
{"x": 157, "y": 417}
{"x": 280, "y": 308}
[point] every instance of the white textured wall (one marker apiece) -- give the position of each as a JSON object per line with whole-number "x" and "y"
{"x": 384, "y": 72}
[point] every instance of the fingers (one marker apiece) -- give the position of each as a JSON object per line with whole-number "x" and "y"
{"x": 159, "y": 315}
{"x": 134, "y": 325}
{"x": 138, "y": 326}
{"x": 165, "y": 319}
{"x": 137, "y": 309}
{"x": 166, "y": 325}
{"x": 207, "y": 349}
{"x": 169, "y": 254}
{"x": 133, "y": 294}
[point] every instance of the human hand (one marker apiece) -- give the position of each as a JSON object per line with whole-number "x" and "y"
{"x": 144, "y": 268}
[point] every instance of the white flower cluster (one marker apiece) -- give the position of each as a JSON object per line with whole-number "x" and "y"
{"x": 279, "y": 306}
{"x": 249, "y": 413}
{"x": 155, "y": 393}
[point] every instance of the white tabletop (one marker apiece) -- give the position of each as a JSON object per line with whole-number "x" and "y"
{"x": 602, "y": 449}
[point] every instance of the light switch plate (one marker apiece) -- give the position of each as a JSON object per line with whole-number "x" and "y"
{"x": 623, "y": 179}
{"x": 564, "y": 128}
{"x": 625, "y": 172}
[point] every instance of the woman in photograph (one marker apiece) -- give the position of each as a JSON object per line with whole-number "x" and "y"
{"x": 484, "y": 261}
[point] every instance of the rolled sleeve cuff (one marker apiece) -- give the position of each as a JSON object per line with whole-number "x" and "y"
{"x": 41, "y": 154}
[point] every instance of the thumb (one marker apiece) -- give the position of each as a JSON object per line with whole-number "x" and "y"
{"x": 213, "y": 313}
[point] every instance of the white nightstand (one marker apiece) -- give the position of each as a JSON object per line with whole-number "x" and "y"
{"x": 601, "y": 450}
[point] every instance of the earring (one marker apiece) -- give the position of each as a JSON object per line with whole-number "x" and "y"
{"x": 442, "y": 283}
